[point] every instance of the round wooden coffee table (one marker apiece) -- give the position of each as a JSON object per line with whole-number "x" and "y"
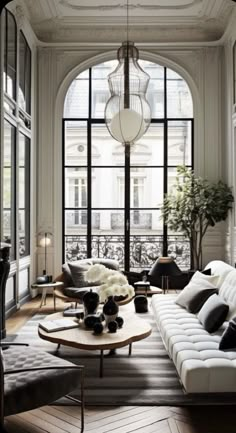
{"x": 134, "y": 329}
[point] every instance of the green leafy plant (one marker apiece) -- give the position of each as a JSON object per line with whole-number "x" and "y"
{"x": 193, "y": 206}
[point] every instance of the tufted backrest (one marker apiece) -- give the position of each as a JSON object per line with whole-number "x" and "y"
{"x": 228, "y": 288}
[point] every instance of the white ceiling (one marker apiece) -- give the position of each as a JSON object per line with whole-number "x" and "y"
{"x": 67, "y": 20}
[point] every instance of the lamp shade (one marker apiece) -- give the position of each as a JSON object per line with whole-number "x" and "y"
{"x": 165, "y": 266}
{"x": 127, "y": 112}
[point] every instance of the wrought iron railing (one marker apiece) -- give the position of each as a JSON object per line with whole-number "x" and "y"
{"x": 144, "y": 250}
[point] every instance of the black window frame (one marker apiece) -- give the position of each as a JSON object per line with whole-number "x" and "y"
{"x": 127, "y": 166}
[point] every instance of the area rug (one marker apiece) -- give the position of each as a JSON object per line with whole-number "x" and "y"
{"x": 147, "y": 377}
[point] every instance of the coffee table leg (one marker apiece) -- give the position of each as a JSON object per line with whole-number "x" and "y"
{"x": 130, "y": 349}
{"x": 58, "y": 347}
{"x": 101, "y": 363}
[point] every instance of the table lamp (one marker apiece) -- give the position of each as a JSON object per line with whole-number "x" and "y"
{"x": 165, "y": 267}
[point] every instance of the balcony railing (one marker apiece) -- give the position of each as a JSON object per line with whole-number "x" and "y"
{"x": 144, "y": 250}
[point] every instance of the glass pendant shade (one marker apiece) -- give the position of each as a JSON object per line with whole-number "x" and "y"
{"x": 127, "y": 112}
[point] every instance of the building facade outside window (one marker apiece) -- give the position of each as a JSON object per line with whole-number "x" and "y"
{"x": 112, "y": 201}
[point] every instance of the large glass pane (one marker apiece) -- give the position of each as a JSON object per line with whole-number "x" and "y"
{"x": 149, "y": 150}
{"x": 108, "y": 187}
{"x": 100, "y": 89}
{"x": 106, "y": 150}
{"x": 179, "y": 99}
{"x": 75, "y": 143}
{"x": 75, "y": 248}
{"x": 155, "y": 91}
{"x": 179, "y": 142}
{"x": 10, "y": 57}
{"x": 146, "y": 187}
{"x": 146, "y": 221}
{"x": 24, "y": 195}
{"x": 76, "y": 222}
{"x": 144, "y": 250}
{"x": 107, "y": 222}
{"x": 8, "y": 228}
{"x": 76, "y": 187}
{"x": 24, "y": 75}
{"x": 77, "y": 97}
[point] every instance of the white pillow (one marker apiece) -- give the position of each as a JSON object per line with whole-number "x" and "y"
{"x": 200, "y": 277}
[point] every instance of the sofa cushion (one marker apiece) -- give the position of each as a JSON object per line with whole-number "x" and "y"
{"x": 213, "y": 313}
{"x": 78, "y": 272}
{"x": 202, "y": 367}
{"x": 228, "y": 339}
{"x": 74, "y": 292}
{"x": 194, "y": 295}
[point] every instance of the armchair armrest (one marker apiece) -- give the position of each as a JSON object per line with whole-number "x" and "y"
{"x": 51, "y": 367}
{"x": 5, "y": 343}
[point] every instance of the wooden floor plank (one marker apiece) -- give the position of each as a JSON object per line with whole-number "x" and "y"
{"x": 157, "y": 427}
{"x": 128, "y": 416}
{"x": 173, "y": 425}
{"x": 128, "y": 425}
{"x": 20, "y": 424}
{"x": 41, "y": 423}
{"x": 61, "y": 423}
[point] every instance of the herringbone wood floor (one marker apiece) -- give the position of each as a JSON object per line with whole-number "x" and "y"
{"x": 146, "y": 419}
{"x": 61, "y": 419}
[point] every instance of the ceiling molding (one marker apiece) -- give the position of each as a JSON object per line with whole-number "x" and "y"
{"x": 106, "y": 7}
{"x": 133, "y": 21}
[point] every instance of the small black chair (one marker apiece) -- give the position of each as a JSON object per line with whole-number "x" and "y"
{"x": 30, "y": 378}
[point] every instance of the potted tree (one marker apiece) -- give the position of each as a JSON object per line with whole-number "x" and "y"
{"x": 193, "y": 206}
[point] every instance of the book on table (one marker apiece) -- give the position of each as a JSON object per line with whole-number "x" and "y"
{"x": 57, "y": 325}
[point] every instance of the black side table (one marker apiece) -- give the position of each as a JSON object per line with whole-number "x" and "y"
{"x": 4, "y": 272}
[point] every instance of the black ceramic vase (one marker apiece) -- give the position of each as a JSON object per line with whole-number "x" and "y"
{"x": 91, "y": 302}
{"x": 110, "y": 310}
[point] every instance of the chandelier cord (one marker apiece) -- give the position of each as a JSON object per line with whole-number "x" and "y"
{"x": 127, "y": 20}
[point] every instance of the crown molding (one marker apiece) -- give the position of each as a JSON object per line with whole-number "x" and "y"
{"x": 133, "y": 6}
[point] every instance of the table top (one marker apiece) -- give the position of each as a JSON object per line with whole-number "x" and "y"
{"x": 55, "y": 284}
{"x": 152, "y": 290}
{"x": 134, "y": 329}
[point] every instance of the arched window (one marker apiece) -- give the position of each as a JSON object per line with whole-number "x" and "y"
{"x": 112, "y": 201}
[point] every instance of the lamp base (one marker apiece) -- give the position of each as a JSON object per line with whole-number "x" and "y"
{"x": 44, "y": 279}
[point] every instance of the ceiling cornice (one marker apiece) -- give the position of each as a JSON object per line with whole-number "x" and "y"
{"x": 107, "y": 7}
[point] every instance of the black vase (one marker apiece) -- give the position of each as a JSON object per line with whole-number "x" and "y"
{"x": 110, "y": 310}
{"x": 91, "y": 302}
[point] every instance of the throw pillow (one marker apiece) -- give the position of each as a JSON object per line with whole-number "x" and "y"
{"x": 194, "y": 295}
{"x": 67, "y": 275}
{"x": 228, "y": 339}
{"x": 78, "y": 274}
{"x": 199, "y": 276}
{"x": 213, "y": 313}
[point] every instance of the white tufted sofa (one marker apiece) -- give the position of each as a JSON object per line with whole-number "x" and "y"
{"x": 201, "y": 366}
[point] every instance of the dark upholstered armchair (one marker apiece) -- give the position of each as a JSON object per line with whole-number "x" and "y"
{"x": 30, "y": 378}
{"x": 72, "y": 277}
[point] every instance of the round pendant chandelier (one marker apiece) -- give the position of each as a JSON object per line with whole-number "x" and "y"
{"x": 127, "y": 112}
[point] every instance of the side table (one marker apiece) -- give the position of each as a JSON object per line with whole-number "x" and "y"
{"x": 152, "y": 290}
{"x": 44, "y": 288}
